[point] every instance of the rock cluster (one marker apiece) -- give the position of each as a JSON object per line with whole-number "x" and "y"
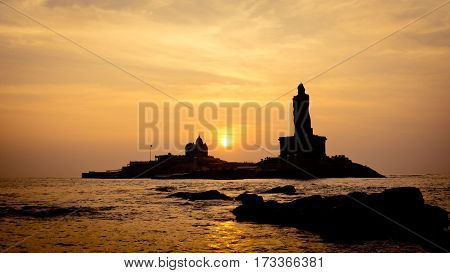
{"x": 397, "y": 213}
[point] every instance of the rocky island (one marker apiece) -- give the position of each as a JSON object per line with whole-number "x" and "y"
{"x": 302, "y": 156}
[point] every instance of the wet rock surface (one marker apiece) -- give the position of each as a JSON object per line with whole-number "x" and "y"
{"x": 204, "y": 195}
{"x": 48, "y": 211}
{"x": 397, "y": 213}
{"x": 288, "y": 189}
{"x": 165, "y": 188}
{"x": 249, "y": 199}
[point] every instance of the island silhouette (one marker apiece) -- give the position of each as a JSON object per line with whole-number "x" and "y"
{"x": 302, "y": 156}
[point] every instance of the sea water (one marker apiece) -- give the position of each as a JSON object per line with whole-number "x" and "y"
{"x": 130, "y": 215}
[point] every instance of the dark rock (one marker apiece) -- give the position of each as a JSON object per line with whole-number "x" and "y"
{"x": 47, "y": 211}
{"x": 309, "y": 201}
{"x": 181, "y": 194}
{"x": 164, "y": 188}
{"x": 398, "y": 213}
{"x": 205, "y": 195}
{"x": 409, "y": 196}
{"x": 288, "y": 189}
{"x": 360, "y": 196}
{"x": 250, "y": 199}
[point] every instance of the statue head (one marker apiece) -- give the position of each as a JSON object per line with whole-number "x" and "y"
{"x": 301, "y": 89}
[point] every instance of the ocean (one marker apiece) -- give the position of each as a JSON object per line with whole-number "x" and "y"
{"x": 126, "y": 215}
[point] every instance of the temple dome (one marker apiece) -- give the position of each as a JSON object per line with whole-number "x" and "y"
{"x": 199, "y": 140}
{"x": 197, "y": 149}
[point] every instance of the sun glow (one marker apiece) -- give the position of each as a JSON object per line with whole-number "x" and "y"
{"x": 225, "y": 141}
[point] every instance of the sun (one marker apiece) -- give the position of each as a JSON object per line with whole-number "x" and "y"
{"x": 225, "y": 140}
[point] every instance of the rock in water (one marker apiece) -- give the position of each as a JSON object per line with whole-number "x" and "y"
{"x": 398, "y": 213}
{"x": 164, "y": 188}
{"x": 205, "y": 195}
{"x": 49, "y": 211}
{"x": 288, "y": 189}
{"x": 250, "y": 199}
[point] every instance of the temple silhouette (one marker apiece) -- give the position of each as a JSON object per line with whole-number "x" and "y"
{"x": 302, "y": 156}
{"x": 196, "y": 149}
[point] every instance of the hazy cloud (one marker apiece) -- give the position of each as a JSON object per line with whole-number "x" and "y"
{"x": 104, "y": 4}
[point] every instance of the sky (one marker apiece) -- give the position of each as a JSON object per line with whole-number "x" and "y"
{"x": 64, "y": 111}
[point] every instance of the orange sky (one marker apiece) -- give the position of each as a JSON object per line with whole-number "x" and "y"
{"x": 64, "y": 111}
